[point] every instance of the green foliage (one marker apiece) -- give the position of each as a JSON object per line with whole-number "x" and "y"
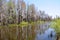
{"x": 56, "y": 25}
{"x": 10, "y": 4}
{"x": 23, "y": 24}
{"x": 40, "y": 21}
{"x": 12, "y": 25}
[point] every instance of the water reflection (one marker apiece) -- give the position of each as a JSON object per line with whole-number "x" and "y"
{"x": 46, "y": 35}
{"x": 29, "y": 32}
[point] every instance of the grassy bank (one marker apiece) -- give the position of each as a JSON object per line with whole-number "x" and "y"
{"x": 24, "y": 24}
{"x": 56, "y": 25}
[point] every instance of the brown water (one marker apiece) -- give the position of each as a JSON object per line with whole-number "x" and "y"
{"x": 23, "y": 33}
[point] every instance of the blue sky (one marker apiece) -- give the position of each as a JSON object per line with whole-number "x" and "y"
{"x": 51, "y": 7}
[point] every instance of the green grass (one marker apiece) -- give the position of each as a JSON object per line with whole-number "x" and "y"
{"x": 40, "y": 22}
{"x": 12, "y": 25}
{"x": 25, "y": 24}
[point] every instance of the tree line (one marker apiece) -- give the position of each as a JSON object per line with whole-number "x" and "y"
{"x": 16, "y": 11}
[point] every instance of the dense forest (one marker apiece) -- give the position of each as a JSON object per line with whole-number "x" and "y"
{"x": 17, "y": 11}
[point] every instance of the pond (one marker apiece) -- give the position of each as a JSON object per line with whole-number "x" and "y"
{"x": 49, "y": 34}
